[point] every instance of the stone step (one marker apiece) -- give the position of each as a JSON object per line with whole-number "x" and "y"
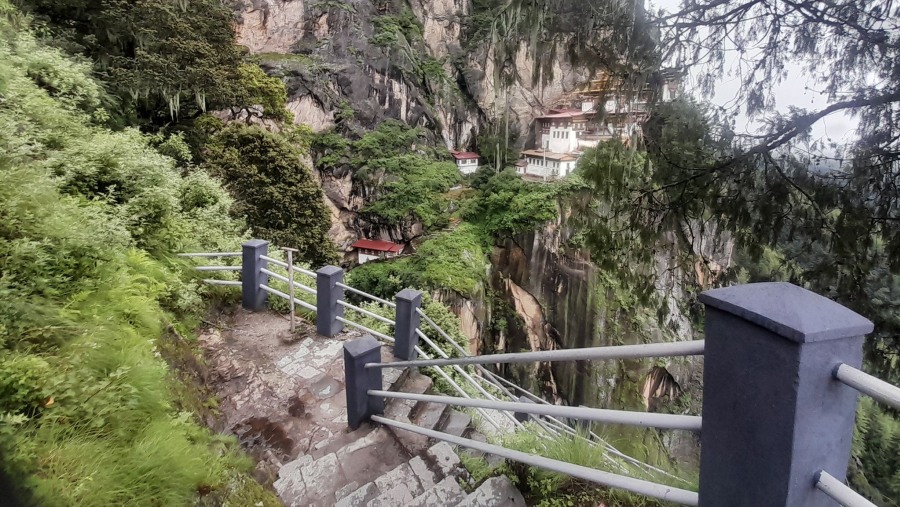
{"x": 432, "y": 478}
{"x": 494, "y": 492}
{"x": 428, "y": 415}
{"x": 414, "y": 383}
{"x": 446, "y": 492}
{"x": 424, "y": 415}
{"x": 360, "y": 497}
{"x": 403, "y": 484}
{"x": 398, "y": 487}
{"x": 455, "y": 423}
{"x": 369, "y": 456}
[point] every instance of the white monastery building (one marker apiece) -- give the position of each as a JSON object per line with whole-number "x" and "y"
{"x": 600, "y": 111}
{"x": 372, "y": 249}
{"x": 466, "y": 161}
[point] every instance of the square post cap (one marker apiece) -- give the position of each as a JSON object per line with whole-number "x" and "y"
{"x": 255, "y": 243}
{"x": 790, "y": 311}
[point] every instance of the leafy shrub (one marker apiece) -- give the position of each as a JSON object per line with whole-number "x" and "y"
{"x": 273, "y": 189}
{"x": 452, "y": 260}
{"x": 507, "y": 205}
{"x": 89, "y": 222}
{"x": 411, "y": 189}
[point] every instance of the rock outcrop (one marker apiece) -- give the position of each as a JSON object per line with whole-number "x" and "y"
{"x": 341, "y": 63}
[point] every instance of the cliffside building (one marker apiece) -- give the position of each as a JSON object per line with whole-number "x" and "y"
{"x": 372, "y": 249}
{"x": 606, "y": 108}
{"x": 466, "y": 161}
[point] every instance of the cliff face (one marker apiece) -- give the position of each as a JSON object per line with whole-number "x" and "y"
{"x": 340, "y": 60}
{"x": 553, "y": 297}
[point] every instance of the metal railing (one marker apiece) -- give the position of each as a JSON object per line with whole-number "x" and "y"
{"x": 641, "y": 419}
{"x": 646, "y": 350}
{"x": 872, "y": 387}
{"x": 738, "y": 440}
{"x": 840, "y": 492}
{"x": 608, "y": 479}
{"x": 480, "y": 381}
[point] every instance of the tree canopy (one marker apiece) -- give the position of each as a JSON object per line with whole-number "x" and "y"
{"x": 162, "y": 58}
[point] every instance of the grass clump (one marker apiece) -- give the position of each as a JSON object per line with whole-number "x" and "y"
{"x": 550, "y": 489}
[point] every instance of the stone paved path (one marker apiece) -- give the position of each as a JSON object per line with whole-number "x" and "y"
{"x": 281, "y": 400}
{"x": 286, "y": 403}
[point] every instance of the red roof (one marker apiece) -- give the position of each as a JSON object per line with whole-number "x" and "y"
{"x": 567, "y": 114}
{"x": 465, "y": 155}
{"x": 564, "y": 111}
{"x": 381, "y": 246}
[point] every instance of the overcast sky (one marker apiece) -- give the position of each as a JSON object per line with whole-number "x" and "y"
{"x": 793, "y": 91}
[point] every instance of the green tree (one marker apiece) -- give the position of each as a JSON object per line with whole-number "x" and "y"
{"x": 163, "y": 58}
{"x": 259, "y": 95}
{"x": 277, "y": 193}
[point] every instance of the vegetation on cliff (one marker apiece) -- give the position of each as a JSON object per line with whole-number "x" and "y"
{"x": 277, "y": 193}
{"x": 89, "y": 222}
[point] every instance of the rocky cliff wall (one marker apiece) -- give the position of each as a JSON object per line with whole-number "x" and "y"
{"x": 341, "y": 63}
{"x": 554, "y": 298}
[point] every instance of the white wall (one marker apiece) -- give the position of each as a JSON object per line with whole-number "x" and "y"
{"x": 364, "y": 258}
{"x": 467, "y": 166}
{"x": 560, "y": 140}
{"x": 549, "y": 168}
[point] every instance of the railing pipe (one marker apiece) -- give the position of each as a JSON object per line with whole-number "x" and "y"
{"x": 361, "y": 327}
{"x": 367, "y": 295}
{"x": 311, "y": 274}
{"x": 608, "y": 479}
{"x": 288, "y": 281}
{"x": 840, "y": 492}
{"x": 872, "y": 387}
{"x": 459, "y": 389}
{"x": 212, "y": 281}
{"x": 274, "y": 261}
{"x": 217, "y": 268}
{"x": 443, "y": 333}
{"x": 287, "y": 297}
{"x": 691, "y": 348}
{"x": 366, "y": 312}
{"x": 484, "y": 371}
{"x": 474, "y": 383}
{"x": 642, "y": 419}
{"x": 211, "y": 254}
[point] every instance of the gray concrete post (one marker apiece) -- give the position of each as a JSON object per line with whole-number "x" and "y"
{"x": 773, "y": 415}
{"x": 407, "y": 321}
{"x": 327, "y": 296}
{"x": 358, "y": 380}
{"x": 252, "y": 297}
{"x": 522, "y": 416}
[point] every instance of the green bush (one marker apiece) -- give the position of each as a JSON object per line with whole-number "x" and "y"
{"x": 452, "y": 260}
{"x": 411, "y": 187}
{"x": 90, "y": 221}
{"x": 277, "y": 193}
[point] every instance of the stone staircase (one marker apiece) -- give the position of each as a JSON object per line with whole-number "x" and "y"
{"x": 382, "y": 467}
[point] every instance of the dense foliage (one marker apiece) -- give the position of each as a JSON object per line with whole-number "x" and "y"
{"x": 506, "y": 204}
{"x": 158, "y": 57}
{"x": 453, "y": 260}
{"x": 273, "y": 188}
{"x": 396, "y": 170}
{"x": 89, "y": 222}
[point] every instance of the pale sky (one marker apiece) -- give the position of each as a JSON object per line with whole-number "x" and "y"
{"x": 793, "y": 91}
